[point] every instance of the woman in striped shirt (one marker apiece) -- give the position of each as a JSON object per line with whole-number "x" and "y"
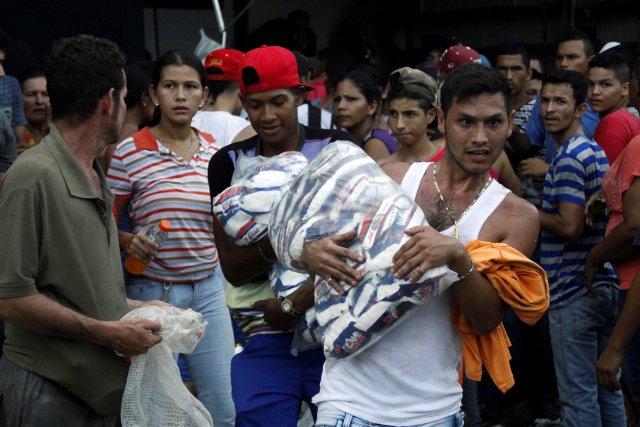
{"x": 161, "y": 173}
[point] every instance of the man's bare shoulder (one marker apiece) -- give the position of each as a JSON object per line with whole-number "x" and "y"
{"x": 395, "y": 170}
{"x": 514, "y": 205}
{"x": 515, "y": 222}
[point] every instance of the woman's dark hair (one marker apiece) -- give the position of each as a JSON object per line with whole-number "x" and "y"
{"x": 367, "y": 79}
{"x": 177, "y": 57}
{"x": 138, "y": 79}
{"x": 31, "y": 73}
{"x": 216, "y": 87}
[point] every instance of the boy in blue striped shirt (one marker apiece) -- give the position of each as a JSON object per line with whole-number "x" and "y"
{"x": 580, "y": 320}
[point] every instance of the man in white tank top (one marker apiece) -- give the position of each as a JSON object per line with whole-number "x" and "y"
{"x": 410, "y": 377}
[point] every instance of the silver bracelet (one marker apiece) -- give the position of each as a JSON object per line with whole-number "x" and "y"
{"x": 468, "y": 273}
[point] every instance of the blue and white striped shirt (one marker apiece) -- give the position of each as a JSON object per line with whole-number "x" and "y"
{"x": 575, "y": 174}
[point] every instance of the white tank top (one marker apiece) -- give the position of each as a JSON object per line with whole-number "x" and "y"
{"x": 411, "y": 375}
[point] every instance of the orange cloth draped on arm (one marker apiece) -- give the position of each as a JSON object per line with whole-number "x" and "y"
{"x": 523, "y": 285}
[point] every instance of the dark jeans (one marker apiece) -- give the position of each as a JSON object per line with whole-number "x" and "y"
{"x": 1, "y": 336}
{"x": 29, "y": 400}
{"x": 631, "y": 362}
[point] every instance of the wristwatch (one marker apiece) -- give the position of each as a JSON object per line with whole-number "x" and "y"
{"x": 287, "y": 307}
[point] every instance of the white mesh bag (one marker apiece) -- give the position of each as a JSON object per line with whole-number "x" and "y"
{"x": 154, "y": 394}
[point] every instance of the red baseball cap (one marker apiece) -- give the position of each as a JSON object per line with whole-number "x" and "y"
{"x": 456, "y": 56}
{"x": 268, "y": 67}
{"x": 223, "y": 64}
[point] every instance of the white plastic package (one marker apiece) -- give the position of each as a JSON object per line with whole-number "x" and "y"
{"x": 342, "y": 189}
{"x": 258, "y": 183}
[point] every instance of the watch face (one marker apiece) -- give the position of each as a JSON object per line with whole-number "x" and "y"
{"x": 287, "y": 307}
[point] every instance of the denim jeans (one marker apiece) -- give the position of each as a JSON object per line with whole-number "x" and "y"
{"x": 270, "y": 384}
{"x": 210, "y": 362}
{"x": 631, "y": 363}
{"x": 330, "y": 416}
{"x": 579, "y": 334}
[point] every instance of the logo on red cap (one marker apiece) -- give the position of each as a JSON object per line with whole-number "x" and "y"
{"x": 223, "y": 64}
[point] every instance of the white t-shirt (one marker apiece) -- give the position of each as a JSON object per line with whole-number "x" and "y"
{"x": 222, "y": 125}
{"x": 411, "y": 375}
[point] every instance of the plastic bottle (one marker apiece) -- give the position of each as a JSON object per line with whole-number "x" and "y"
{"x": 158, "y": 234}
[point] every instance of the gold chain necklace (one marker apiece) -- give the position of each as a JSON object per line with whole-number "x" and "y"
{"x": 176, "y": 151}
{"x": 456, "y": 230}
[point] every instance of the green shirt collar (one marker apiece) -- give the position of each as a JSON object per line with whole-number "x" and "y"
{"x": 74, "y": 177}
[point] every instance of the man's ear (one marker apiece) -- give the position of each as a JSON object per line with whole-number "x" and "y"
{"x": 581, "y": 109}
{"x": 299, "y": 95}
{"x": 441, "y": 121}
{"x": 431, "y": 114}
{"x": 625, "y": 89}
{"x": 511, "y": 116}
{"x": 107, "y": 103}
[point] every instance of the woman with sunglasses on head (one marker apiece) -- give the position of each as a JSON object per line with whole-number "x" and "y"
{"x": 160, "y": 173}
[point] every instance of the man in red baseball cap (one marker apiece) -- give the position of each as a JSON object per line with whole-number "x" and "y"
{"x": 454, "y": 57}
{"x": 269, "y": 383}
{"x": 220, "y": 114}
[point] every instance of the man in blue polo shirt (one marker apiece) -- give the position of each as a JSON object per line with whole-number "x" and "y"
{"x": 580, "y": 319}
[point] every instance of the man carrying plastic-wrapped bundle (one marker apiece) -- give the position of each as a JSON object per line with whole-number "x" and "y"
{"x": 483, "y": 233}
{"x": 269, "y": 383}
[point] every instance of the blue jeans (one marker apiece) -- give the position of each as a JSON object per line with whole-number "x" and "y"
{"x": 579, "y": 334}
{"x": 269, "y": 383}
{"x": 330, "y": 416}
{"x": 631, "y": 363}
{"x": 210, "y": 362}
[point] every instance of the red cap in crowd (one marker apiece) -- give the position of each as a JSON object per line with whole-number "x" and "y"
{"x": 268, "y": 67}
{"x": 223, "y": 64}
{"x": 457, "y": 56}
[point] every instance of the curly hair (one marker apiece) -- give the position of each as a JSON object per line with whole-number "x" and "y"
{"x": 80, "y": 70}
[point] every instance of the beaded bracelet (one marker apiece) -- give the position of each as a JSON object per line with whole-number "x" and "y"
{"x": 264, "y": 257}
{"x": 468, "y": 273}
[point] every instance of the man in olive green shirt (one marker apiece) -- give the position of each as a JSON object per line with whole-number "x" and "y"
{"x": 61, "y": 285}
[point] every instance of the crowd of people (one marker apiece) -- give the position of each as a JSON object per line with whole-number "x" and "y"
{"x": 528, "y": 179}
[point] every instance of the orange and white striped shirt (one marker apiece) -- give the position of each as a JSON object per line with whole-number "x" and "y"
{"x": 161, "y": 185}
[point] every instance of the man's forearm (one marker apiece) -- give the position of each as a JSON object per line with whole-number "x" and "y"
{"x": 40, "y": 314}
{"x": 557, "y": 225}
{"x": 616, "y": 246}
{"x": 240, "y": 265}
{"x": 475, "y": 296}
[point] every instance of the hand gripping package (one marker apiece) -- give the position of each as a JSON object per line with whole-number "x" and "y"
{"x": 343, "y": 189}
{"x": 154, "y": 394}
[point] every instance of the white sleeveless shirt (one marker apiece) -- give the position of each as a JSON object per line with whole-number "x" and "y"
{"x": 411, "y": 375}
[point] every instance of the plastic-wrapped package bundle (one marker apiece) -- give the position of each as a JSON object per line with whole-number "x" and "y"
{"x": 258, "y": 183}
{"x": 244, "y": 210}
{"x": 342, "y": 189}
{"x": 154, "y": 394}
